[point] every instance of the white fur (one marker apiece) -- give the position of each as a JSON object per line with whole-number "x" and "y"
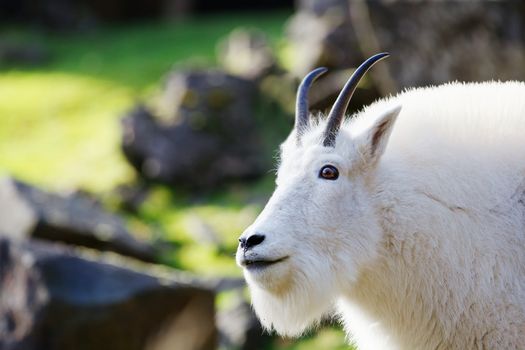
{"x": 420, "y": 242}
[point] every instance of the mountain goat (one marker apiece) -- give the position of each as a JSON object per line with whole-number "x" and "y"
{"x": 407, "y": 220}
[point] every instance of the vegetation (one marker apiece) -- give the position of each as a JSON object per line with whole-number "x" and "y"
{"x": 63, "y": 119}
{"x": 59, "y": 129}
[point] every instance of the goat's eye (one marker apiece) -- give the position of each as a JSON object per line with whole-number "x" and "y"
{"x": 329, "y": 172}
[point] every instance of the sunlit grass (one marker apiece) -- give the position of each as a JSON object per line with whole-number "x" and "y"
{"x": 204, "y": 233}
{"x": 62, "y": 130}
{"x": 326, "y": 338}
{"x": 59, "y": 123}
{"x": 139, "y": 55}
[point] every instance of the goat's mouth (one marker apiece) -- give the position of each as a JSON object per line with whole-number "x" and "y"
{"x": 259, "y": 264}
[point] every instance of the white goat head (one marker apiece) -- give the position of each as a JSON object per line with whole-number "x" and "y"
{"x": 319, "y": 227}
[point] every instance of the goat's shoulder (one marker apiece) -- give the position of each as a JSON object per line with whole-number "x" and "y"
{"x": 440, "y": 121}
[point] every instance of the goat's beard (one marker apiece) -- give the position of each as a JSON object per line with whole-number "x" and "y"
{"x": 308, "y": 297}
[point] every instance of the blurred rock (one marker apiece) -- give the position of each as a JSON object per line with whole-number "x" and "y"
{"x": 431, "y": 42}
{"x": 436, "y": 42}
{"x": 240, "y": 329}
{"x": 27, "y": 212}
{"x": 320, "y": 7}
{"x": 131, "y": 197}
{"x": 206, "y": 136}
{"x": 326, "y": 90}
{"x": 282, "y": 89}
{"x": 53, "y": 299}
{"x": 246, "y": 54}
{"x": 320, "y": 34}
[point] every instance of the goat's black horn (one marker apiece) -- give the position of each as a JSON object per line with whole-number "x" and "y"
{"x": 336, "y": 115}
{"x": 301, "y": 105}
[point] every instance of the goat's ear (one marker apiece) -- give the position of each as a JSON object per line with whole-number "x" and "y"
{"x": 373, "y": 141}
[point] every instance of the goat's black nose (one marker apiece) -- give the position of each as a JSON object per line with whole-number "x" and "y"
{"x": 252, "y": 241}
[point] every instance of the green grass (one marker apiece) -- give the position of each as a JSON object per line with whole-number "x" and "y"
{"x": 59, "y": 124}
{"x": 139, "y": 55}
{"x": 204, "y": 230}
{"x": 61, "y": 131}
{"x": 326, "y": 338}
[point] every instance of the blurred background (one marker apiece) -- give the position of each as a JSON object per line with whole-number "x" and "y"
{"x": 137, "y": 141}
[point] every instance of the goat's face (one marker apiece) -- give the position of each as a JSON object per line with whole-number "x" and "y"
{"x": 319, "y": 228}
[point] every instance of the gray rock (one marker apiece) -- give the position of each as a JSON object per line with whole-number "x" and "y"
{"x": 27, "y": 212}
{"x": 431, "y": 42}
{"x": 321, "y": 7}
{"x": 246, "y": 53}
{"x": 240, "y": 329}
{"x": 206, "y": 134}
{"x": 436, "y": 42}
{"x": 320, "y": 34}
{"x": 51, "y": 298}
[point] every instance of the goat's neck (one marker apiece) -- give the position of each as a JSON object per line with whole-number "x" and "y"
{"x": 392, "y": 298}
{"x": 387, "y": 304}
